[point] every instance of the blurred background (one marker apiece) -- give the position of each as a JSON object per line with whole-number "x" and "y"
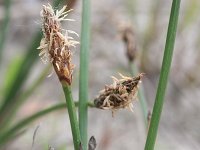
{"x": 28, "y": 89}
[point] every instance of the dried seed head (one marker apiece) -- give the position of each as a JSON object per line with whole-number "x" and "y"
{"x": 55, "y": 46}
{"x": 120, "y": 94}
{"x": 128, "y": 37}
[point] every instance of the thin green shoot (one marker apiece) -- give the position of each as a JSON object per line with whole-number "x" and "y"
{"x": 83, "y": 79}
{"x": 167, "y": 59}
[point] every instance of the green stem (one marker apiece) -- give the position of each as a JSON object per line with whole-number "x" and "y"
{"x": 141, "y": 96}
{"x": 72, "y": 116}
{"x": 169, "y": 46}
{"x": 22, "y": 98}
{"x": 13, "y": 131}
{"x": 5, "y": 25}
{"x": 83, "y": 79}
{"x": 10, "y": 133}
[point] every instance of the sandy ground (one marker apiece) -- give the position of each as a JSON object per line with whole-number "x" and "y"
{"x": 179, "y": 126}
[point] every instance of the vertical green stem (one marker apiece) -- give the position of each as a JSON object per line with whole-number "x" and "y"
{"x": 169, "y": 46}
{"x": 72, "y": 116}
{"x": 83, "y": 79}
{"x": 141, "y": 96}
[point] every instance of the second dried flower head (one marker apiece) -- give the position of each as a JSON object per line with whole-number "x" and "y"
{"x": 120, "y": 94}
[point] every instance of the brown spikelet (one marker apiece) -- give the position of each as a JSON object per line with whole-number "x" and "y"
{"x": 55, "y": 46}
{"x": 128, "y": 37}
{"x": 120, "y": 94}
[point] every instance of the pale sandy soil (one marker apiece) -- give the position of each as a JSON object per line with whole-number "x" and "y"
{"x": 179, "y": 126}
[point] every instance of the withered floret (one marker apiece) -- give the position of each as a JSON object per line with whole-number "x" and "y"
{"x": 120, "y": 94}
{"x": 55, "y": 46}
{"x": 128, "y": 37}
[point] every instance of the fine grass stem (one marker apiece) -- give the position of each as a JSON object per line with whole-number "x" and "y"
{"x": 10, "y": 133}
{"x": 72, "y": 116}
{"x": 23, "y": 97}
{"x": 20, "y": 78}
{"x": 141, "y": 96}
{"x": 83, "y": 79}
{"x": 169, "y": 46}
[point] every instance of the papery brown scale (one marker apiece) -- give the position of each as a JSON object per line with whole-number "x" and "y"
{"x": 120, "y": 95}
{"x": 57, "y": 44}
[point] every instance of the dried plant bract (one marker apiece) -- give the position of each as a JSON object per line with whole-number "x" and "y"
{"x": 56, "y": 43}
{"x": 120, "y": 94}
